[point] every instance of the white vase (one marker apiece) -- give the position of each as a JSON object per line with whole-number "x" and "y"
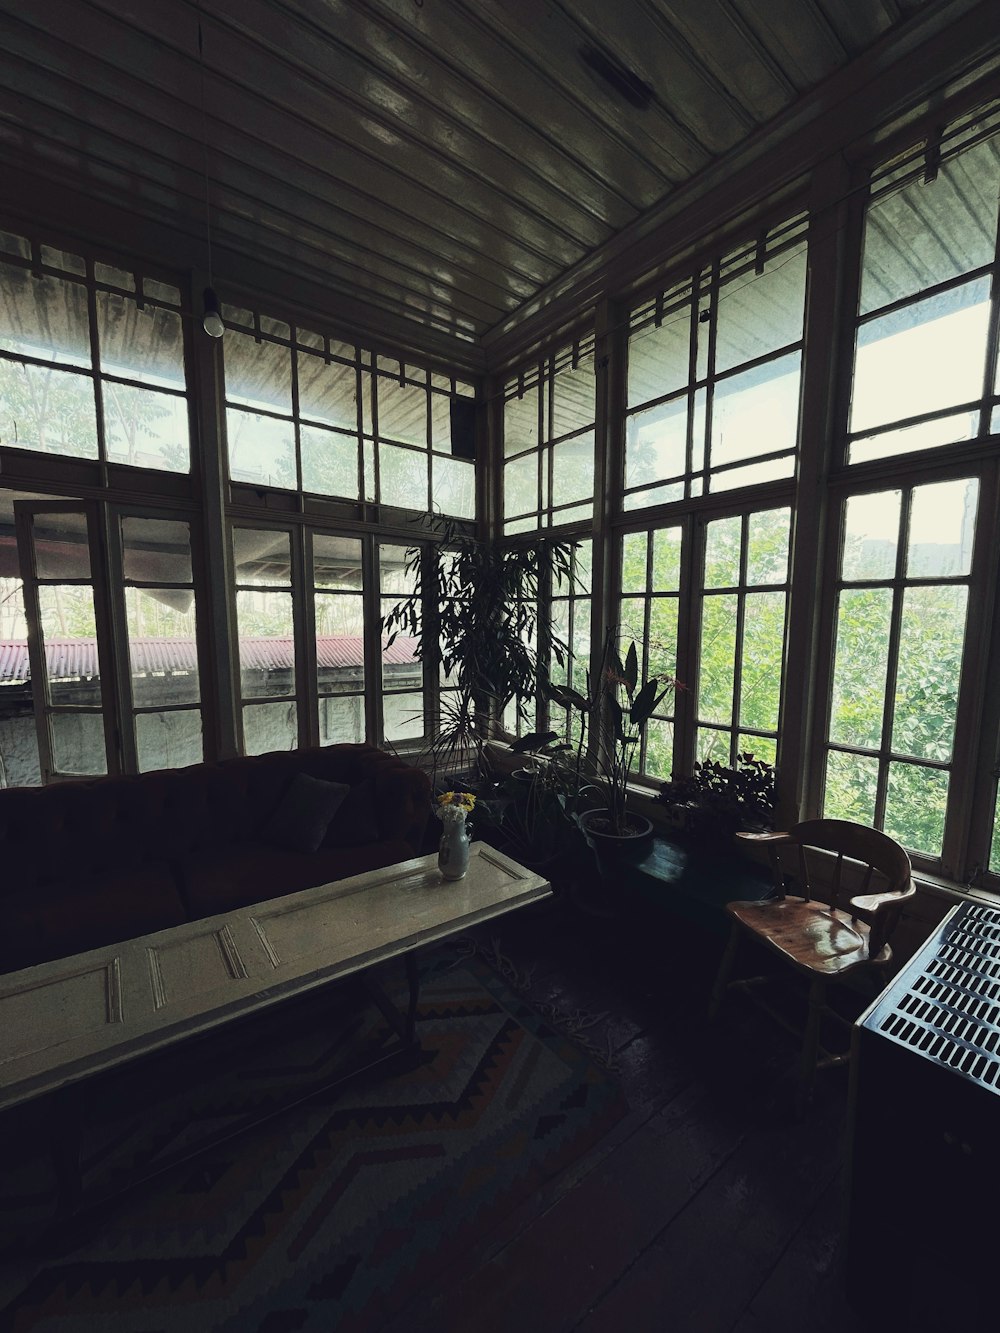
{"x": 453, "y": 853}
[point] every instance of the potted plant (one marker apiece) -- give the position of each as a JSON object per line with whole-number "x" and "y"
{"x": 528, "y": 813}
{"x": 614, "y": 716}
{"x": 481, "y": 636}
{"x": 717, "y": 800}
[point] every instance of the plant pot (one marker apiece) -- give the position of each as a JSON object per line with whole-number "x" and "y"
{"x": 615, "y": 846}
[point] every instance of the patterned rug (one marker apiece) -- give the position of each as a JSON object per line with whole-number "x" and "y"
{"x": 335, "y": 1214}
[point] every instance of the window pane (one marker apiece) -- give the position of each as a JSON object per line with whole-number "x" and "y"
{"x": 659, "y": 748}
{"x": 395, "y": 574}
{"x": 761, "y": 312}
{"x": 19, "y": 743}
{"x": 329, "y": 462}
{"x": 269, "y": 727}
{"x": 49, "y": 411}
{"x": 767, "y": 546}
{"x": 656, "y": 447}
{"x": 666, "y": 560}
{"x": 441, "y": 422}
{"x": 926, "y": 232}
{"x": 342, "y": 721}
{"x": 267, "y": 646}
{"x": 69, "y": 635}
{"x": 336, "y": 562}
{"x": 520, "y": 485}
{"x": 942, "y": 526}
{"x": 78, "y": 744}
{"x": 156, "y": 550}
{"x": 261, "y": 449}
{"x": 927, "y": 356}
{"x": 632, "y": 619}
{"x": 906, "y": 439}
{"x": 262, "y": 556}
{"x": 454, "y": 487}
{"x": 663, "y": 639}
{"x": 930, "y": 660}
{"x": 753, "y": 474}
{"x": 573, "y": 398}
{"x": 760, "y": 747}
{"x": 861, "y": 664}
{"x": 162, "y": 646}
{"x": 713, "y": 746}
{"x": 634, "y": 562}
{"x": 402, "y": 412}
{"x": 402, "y": 477}
{"x": 258, "y": 374}
{"x": 43, "y": 317}
{"x": 757, "y": 411}
{"x": 168, "y": 740}
{"x": 871, "y": 534}
{"x": 328, "y": 393}
{"x": 851, "y": 787}
{"x": 718, "y": 658}
{"x": 146, "y": 429}
{"x": 915, "y": 806}
{"x": 400, "y": 666}
{"x": 60, "y": 544}
{"x": 573, "y": 470}
{"x": 658, "y": 358}
{"x": 403, "y": 716}
{"x": 145, "y": 345}
{"x": 340, "y": 643}
{"x": 763, "y": 644}
{"x": 520, "y": 423}
{"x": 722, "y": 553}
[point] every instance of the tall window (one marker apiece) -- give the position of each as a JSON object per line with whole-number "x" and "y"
{"x": 743, "y": 597}
{"x": 91, "y": 360}
{"x": 548, "y": 475}
{"x": 902, "y": 601}
{"x": 338, "y": 610}
{"x": 648, "y": 616}
{"x": 569, "y": 619}
{"x": 265, "y": 613}
{"x": 714, "y": 364}
{"x": 306, "y": 412}
{"x": 402, "y": 673}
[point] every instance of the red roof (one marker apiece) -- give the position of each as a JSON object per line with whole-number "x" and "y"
{"x": 72, "y": 659}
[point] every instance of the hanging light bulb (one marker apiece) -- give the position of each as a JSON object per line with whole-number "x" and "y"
{"x": 212, "y": 319}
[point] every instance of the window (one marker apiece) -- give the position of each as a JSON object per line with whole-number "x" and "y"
{"x": 91, "y": 360}
{"x": 569, "y": 619}
{"x": 921, "y": 378}
{"x": 306, "y": 412}
{"x": 548, "y": 475}
{"x": 714, "y": 365}
{"x": 743, "y": 597}
{"x": 338, "y": 608}
{"x": 902, "y": 601}
{"x": 402, "y": 672}
{"x": 265, "y": 613}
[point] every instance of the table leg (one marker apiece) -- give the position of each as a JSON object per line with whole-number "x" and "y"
{"x": 413, "y": 981}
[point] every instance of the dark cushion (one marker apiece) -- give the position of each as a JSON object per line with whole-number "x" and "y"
{"x": 356, "y": 822}
{"x": 302, "y": 817}
{"x": 84, "y": 913}
{"x": 231, "y": 877}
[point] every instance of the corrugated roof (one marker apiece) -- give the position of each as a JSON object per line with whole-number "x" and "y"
{"x": 71, "y": 659}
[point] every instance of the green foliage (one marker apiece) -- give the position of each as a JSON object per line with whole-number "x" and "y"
{"x": 719, "y": 800}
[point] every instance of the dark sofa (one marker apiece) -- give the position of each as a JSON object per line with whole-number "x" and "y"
{"x": 94, "y": 862}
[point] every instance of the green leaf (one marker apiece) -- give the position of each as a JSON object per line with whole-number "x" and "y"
{"x": 631, "y": 672}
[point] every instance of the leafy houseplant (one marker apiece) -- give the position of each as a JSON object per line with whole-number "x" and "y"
{"x": 614, "y": 715}
{"x": 479, "y": 632}
{"x": 718, "y": 801}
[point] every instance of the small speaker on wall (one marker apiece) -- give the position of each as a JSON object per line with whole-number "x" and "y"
{"x": 463, "y": 428}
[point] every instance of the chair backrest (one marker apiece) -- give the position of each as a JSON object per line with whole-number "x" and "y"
{"x": 869, "y": 849}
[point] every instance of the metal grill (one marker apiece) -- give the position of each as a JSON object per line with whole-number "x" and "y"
{"x": 949, "y": 1008}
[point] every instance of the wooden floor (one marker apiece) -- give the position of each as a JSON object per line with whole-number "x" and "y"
{"x": 711, "y": 1210}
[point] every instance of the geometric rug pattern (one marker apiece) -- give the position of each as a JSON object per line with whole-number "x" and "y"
{"x": 333, "y": 1215}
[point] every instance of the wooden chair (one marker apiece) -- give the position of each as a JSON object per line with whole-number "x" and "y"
{"x": 821, "y": 940}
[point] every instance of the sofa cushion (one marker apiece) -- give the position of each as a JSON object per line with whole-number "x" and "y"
{"x": 83, "y": 913}
{"x": 302, "y": 816}
{"x": 225, "y": 878}
{"x": 356, "y": 822}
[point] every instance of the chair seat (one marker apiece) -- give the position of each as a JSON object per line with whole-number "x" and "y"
{"x": 812, "y": 936}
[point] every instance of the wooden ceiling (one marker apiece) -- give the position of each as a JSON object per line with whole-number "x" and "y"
{"x": 446, "y": 165}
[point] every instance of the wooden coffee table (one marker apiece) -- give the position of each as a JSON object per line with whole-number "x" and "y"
{"x": 66, "y": 1022}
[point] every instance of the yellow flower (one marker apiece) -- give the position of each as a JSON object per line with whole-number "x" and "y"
{"x": 463, "y": 798}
